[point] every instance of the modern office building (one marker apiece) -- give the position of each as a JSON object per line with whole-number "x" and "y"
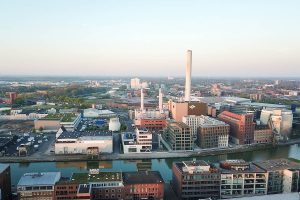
{"x": 240, "y": 179}
{"x": 178, "y": 136}
{"x": 143, "y": 185}
{"x": 283, "y": 175}
{"x": 241, "y": 127}
{"x": 151, "y": 124}
{"x": 212, "y": 133}
{"x": 38, "y": 185}
{"x": 280, "y": 120}
{"x": 5, "y": 182}
{"x": 193, "y": 180}
{"x": 138, "y": 142}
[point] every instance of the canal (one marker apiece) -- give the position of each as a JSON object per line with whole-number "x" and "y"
{"x": 162, "y": 165}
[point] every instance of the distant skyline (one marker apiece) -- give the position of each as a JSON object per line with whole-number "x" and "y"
{"x": 232, "y": 38}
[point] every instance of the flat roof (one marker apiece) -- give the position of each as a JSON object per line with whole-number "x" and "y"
{"x": 277, "y": 164}
{"x": 101, "y": 177}
{"x": 63, "y": 117}
{"x": 269, "y": 105}
{"x": 290, "y": 196}
{"x": 85, "y": 135}
{"x": 142, "y": 177}
{"x": 3, "y": 167}
{"x": 41, "y": 178}
{"x": 181, "y": 165}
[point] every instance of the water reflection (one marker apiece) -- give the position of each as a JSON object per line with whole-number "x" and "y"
{"x": 164, "y": 166}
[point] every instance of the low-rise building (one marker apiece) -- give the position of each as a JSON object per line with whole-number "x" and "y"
{"x": 195, "y": 180}
{"x": 38, "y": 185}
{"x": 151, "y": 124}
{"x": 52, "y": 122}
{"x": 91, "y": 143}
{"x": 143, "y": 185}
{"x": 138, "y": 142}
{"x": 283, "y": 175}
{"x": 96, "y": 113}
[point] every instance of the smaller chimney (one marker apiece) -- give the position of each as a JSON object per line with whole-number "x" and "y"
{"x": 160, "y": 101}
{"x": 142, "y": 100}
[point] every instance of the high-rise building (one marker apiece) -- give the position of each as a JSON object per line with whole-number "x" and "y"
{"x": 194, "y": 180}
{"x": 5, "y": 183}
{"x": 178, "y": 135}
{"x": 135, "y": 83}
{"x": 188, "y": 73}
{"x": 241, "y": 127}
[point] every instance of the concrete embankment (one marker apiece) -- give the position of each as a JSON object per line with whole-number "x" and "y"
{"x": 153, "y": 155}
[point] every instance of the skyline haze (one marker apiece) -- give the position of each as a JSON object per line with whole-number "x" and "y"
{"x": 149, "y": 38}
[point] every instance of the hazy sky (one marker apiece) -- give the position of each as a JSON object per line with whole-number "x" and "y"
{"x": 150, "y": 37}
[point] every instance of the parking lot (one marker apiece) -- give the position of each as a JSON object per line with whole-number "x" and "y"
{"x": 37, "y": 143}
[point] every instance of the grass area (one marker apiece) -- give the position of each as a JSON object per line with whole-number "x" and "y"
{"x": 294, "y": 159}
{"x": 102, "y": 176}
{"x": 64, "y": 117}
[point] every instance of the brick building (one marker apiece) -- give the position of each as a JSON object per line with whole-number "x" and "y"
{"x": 143, "y": 185}
{"x": 241, "y": 127}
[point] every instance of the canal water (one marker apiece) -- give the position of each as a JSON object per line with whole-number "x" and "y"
{"x": 164, "y": 166}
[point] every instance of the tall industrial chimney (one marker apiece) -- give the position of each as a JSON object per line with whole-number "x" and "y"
{"x": 142, "y": 100}
{"x": 160, "y": 101}
{"x": 188, "y": 71}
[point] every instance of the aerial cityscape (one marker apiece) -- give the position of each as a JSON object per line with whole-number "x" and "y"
{"x": 137, "y": 112}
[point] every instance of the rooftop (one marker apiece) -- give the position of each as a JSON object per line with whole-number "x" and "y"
{"x": 178, "y": 124}
{"x": 63, "y": 117}
{"x": 101, "y": 177}
{"x": 42, "y": 178}
{"x": 142, "y": 177}
{"x": 85, "y": 135}
{"x": 277, "y": 164}
{"x": 290, "y": 196}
